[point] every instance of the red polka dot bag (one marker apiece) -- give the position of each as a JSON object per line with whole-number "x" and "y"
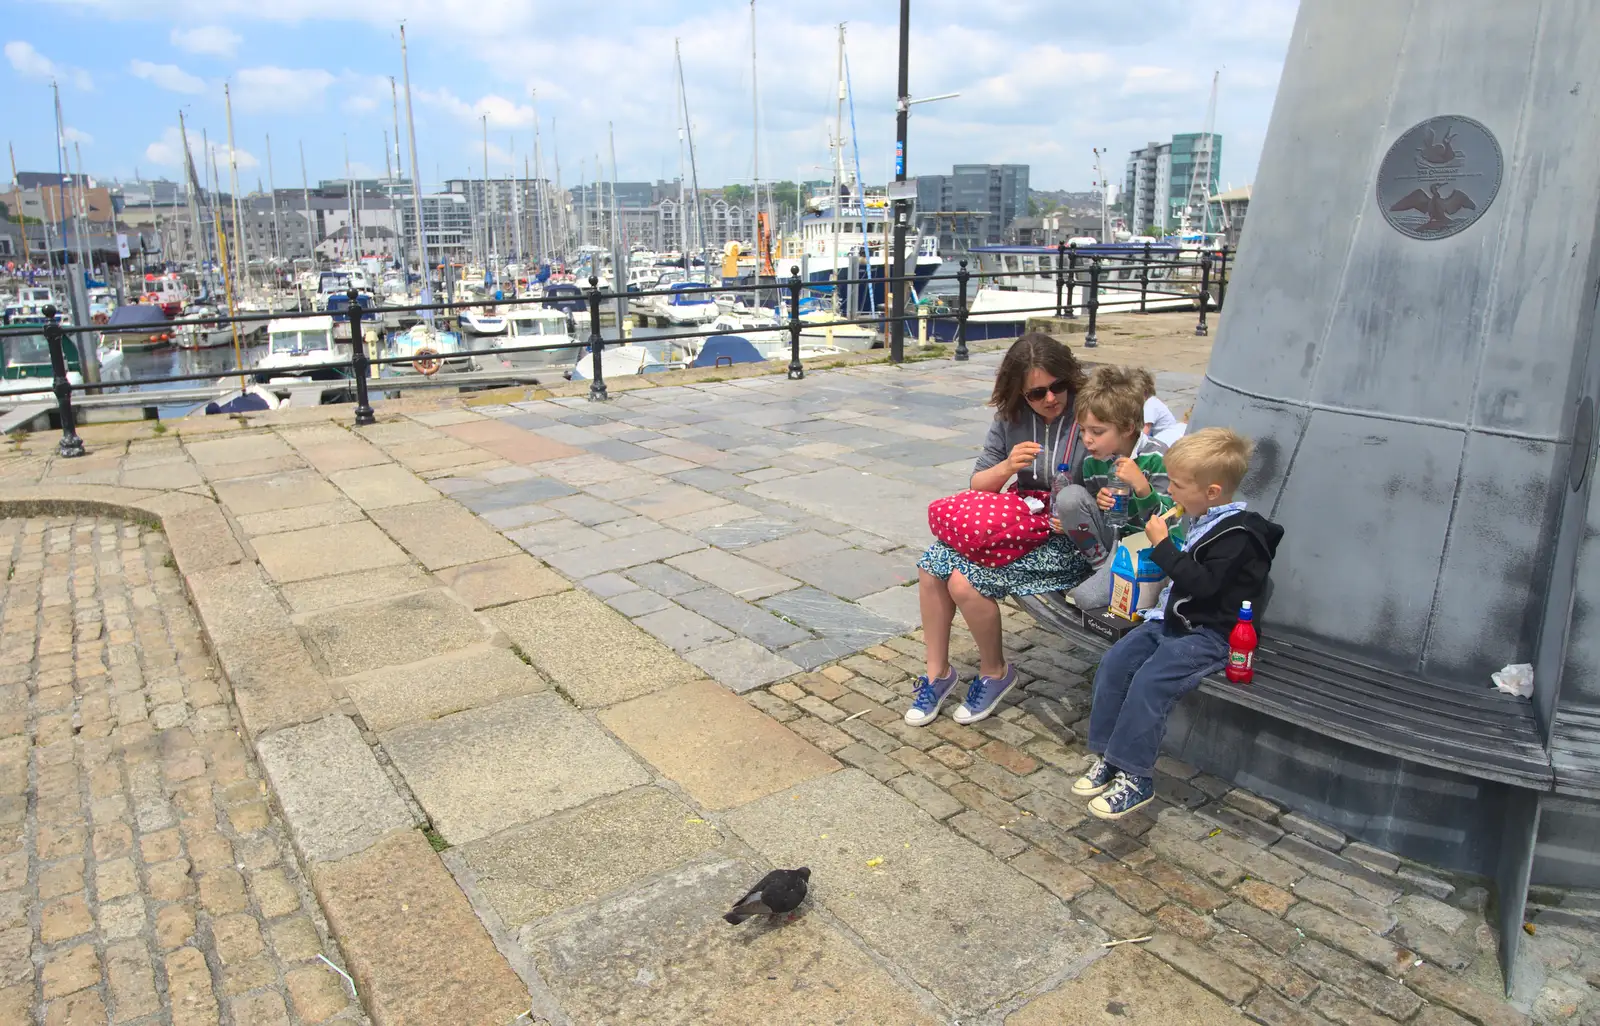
{"x": 989, "y": 528}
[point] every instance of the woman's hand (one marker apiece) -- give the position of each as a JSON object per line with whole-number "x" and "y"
{"x": 1022, "y": 456}
{"x": 1129, "y": 472}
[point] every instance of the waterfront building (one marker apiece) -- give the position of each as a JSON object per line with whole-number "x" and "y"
{"x": 1162, "y": 183}
{"x": 973, "y": 205}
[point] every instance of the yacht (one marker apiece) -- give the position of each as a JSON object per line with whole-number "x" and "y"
{"x": 685, "y": 305}
{"x": 630, "y": 359}
{"x": 297, "y": 349}
{"x": 428, "y": 350}
{"x": 827, "y": 238}
{"x": 26, "y": 358}
{"x": 530, "y": 326}
{"x": 482, "y": 321}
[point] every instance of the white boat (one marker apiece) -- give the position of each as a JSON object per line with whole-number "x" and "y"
{"x": 628, "y": 360}
{"x": 816, "y": 330}
{"x": 296, "y": 349}
{"x": 483, "y": 321}
{"x": 687, "y": 304}
{"x": 529, "y": 326}
{"x": 426, "y": 350}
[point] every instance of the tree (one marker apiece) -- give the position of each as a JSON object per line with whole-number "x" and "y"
{"x": 1033, "y": 207}
{"x": 737, "y": 195}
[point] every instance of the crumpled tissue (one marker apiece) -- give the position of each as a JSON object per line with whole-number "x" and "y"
{"x": 1516, "y": 679}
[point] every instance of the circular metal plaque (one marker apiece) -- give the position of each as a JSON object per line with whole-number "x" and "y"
{"x": 1439, "y": 177}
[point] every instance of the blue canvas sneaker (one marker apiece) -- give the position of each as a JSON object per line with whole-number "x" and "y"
{"x": 1127, "y": 794}
{"x": 983, "y": 696}
{"x": 929, "y": 696}
{"x": 1096, "y": 779}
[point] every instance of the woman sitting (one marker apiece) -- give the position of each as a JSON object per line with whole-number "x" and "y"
{"x": 1034, "y": 433}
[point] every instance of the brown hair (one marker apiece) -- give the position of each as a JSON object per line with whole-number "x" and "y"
{"x": 1112, "y": 395}
{"x": 1145, "y": 380}
{"x": 1214, "y": 455}
{"x": 1031, "y": 351}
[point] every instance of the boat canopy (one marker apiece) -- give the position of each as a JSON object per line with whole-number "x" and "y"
{"x": 732, "y": 348}
{"x": 136, "y": 315}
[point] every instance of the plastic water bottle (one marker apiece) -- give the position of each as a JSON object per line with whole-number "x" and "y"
{"x": 1121, "y": 497}
{"x": 1241, "y": 667}
{"x": 1063, "y": 479}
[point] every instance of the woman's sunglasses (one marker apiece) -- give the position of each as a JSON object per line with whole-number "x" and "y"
{"x": 1056, "y": 387}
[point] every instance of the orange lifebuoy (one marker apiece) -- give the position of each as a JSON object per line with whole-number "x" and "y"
{"x": 426, "y": 362}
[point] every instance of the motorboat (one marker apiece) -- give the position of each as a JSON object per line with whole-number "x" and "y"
{"x": 530, "y": 326}
{"x": 817, "y": 329}
{"x": 630, "y": 359}
{"x": 209, "y": 336}
{"x": 298, "y": 349}
{"x": 426, "y": 351}
{"x": 139, "y": 327}
{"x": 686, "y": 304}
{"x": 26, "y": 358}
{"x": 166, "y": 291}
{"x": 483, "y": 321}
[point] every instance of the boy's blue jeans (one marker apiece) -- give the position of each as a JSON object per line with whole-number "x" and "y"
{"x": 1138, "y": 681}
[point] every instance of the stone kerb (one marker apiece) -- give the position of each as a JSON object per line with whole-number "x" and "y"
{"x": 416, "y": 949}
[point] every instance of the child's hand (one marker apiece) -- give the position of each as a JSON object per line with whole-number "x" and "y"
{"x": 1156, "y": 530}
{"x": 1055, "y": 525}
{"x": 1103, "y": 499}
{"x": 1129, "y": 472}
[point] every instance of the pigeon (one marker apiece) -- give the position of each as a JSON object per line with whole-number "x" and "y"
{"x": 780, "y": 891}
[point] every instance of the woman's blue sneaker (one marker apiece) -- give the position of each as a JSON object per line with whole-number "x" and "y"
{"x": 984, "y": 695}
{"x": 1127, "y": 794}
{"x": 929, "y": 696}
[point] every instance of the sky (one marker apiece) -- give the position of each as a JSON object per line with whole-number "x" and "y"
{"x": 1041, "y": 82}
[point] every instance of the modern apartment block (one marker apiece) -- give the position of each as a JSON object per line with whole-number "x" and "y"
{"x": 972, "y": 205}
{"x": 1160, "y": 183}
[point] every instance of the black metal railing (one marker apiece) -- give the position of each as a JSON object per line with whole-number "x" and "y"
{"x": 1072, "y": 271}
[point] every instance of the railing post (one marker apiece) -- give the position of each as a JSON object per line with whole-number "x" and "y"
{"x": 597, "y": 380}
{"x": 1072, "y": 277}
{"x": 1061, "y": 260}
{"x": 1092, "y": 339}
{"x": 359, "y": 362}
{"x": 1144, "y": 280}
{"x": 1222, "y": 275}
{"x": 1205, "y": 293}
{"x": 70, "y": 445}
{"x": 961, "y": 312}
{"x": 797, "y": 370}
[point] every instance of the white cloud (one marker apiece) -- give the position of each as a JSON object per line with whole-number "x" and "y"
{"x": 501, "y": 112}
{"x": 274, "y": 89}
{"x": 167, "y": 151}
{"x": 77, "y": 136}
{"x": 30, "y": 63}
{"x": 168, "y": 76}
{"x": 207, "y": 39}
{"x": 1154, "y": 80}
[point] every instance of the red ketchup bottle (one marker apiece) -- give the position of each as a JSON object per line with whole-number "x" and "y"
{"x": 1242, "y": 647}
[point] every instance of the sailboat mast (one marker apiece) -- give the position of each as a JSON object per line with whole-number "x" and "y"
{"x": 349, "y": 202}
{"x": 416, "y": 181}
{"x": 305, "y": 200}
{"x": 561, "y": 197}
{"x": 61, "y": 182}
{"x": 838, "y": 171}
{"x": 400, "y": 236}
{"x": 688, "y": 132}
{"x": 488, "y": 225}
{"x": 233, "y": 183}
{"x": 619, "y": 244}
{"x": 277, "y": 230}
{"x": 755, "y": 138}
{"x": 191, "y": 187}
{"x": 683, "y": 206}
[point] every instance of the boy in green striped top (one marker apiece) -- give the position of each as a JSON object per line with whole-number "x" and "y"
{"x": 1110, "y": 413}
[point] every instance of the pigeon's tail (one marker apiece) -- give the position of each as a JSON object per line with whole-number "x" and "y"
{"x": 735, "y": 918}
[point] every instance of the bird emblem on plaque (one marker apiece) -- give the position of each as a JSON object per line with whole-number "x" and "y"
{"x": 1439, "y": 177}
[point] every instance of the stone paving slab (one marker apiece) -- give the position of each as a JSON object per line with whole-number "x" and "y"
{"x": 1128, "y": 988}
{"x": 588, "y": 651}
{"x": 441, "y": 534}
{"x": 331, "y": 788}
{"x": 961, "y": 942}
{"x": 532, "y": 871}
{"x": 621, "y": 553}
{"x": 419, "y": 955}
{"x": 661, "y": 955}
{"x": 721, "y": 750}
{"x": 318, "y": 594}
{"x": 733, "y": 574}
{"x": 323, "y": 551}
{"x": 299, "y": 518}
{"x": 431, "y": 688}
{"x": 487, "y": 769}
{"x": 496, "y": 582}
{"x": 894, "y": 509}
{"x": 376, "y": 487}
{"x": 275, "y": 491}
{"x": 391, "y": 632}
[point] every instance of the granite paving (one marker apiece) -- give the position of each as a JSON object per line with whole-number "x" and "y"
{"x": 528, "y": 689}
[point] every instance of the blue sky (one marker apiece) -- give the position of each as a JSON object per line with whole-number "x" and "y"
{"x": 1042, "y": 82}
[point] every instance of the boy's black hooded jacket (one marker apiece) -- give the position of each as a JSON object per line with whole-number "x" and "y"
{"x": 1227, "y": 566}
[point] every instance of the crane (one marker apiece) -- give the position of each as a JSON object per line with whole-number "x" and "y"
{"x": 1198, "y": 204}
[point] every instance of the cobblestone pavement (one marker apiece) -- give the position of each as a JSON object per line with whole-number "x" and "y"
{"x": 675, "y": 629}
{"x": 143, "y": 875}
